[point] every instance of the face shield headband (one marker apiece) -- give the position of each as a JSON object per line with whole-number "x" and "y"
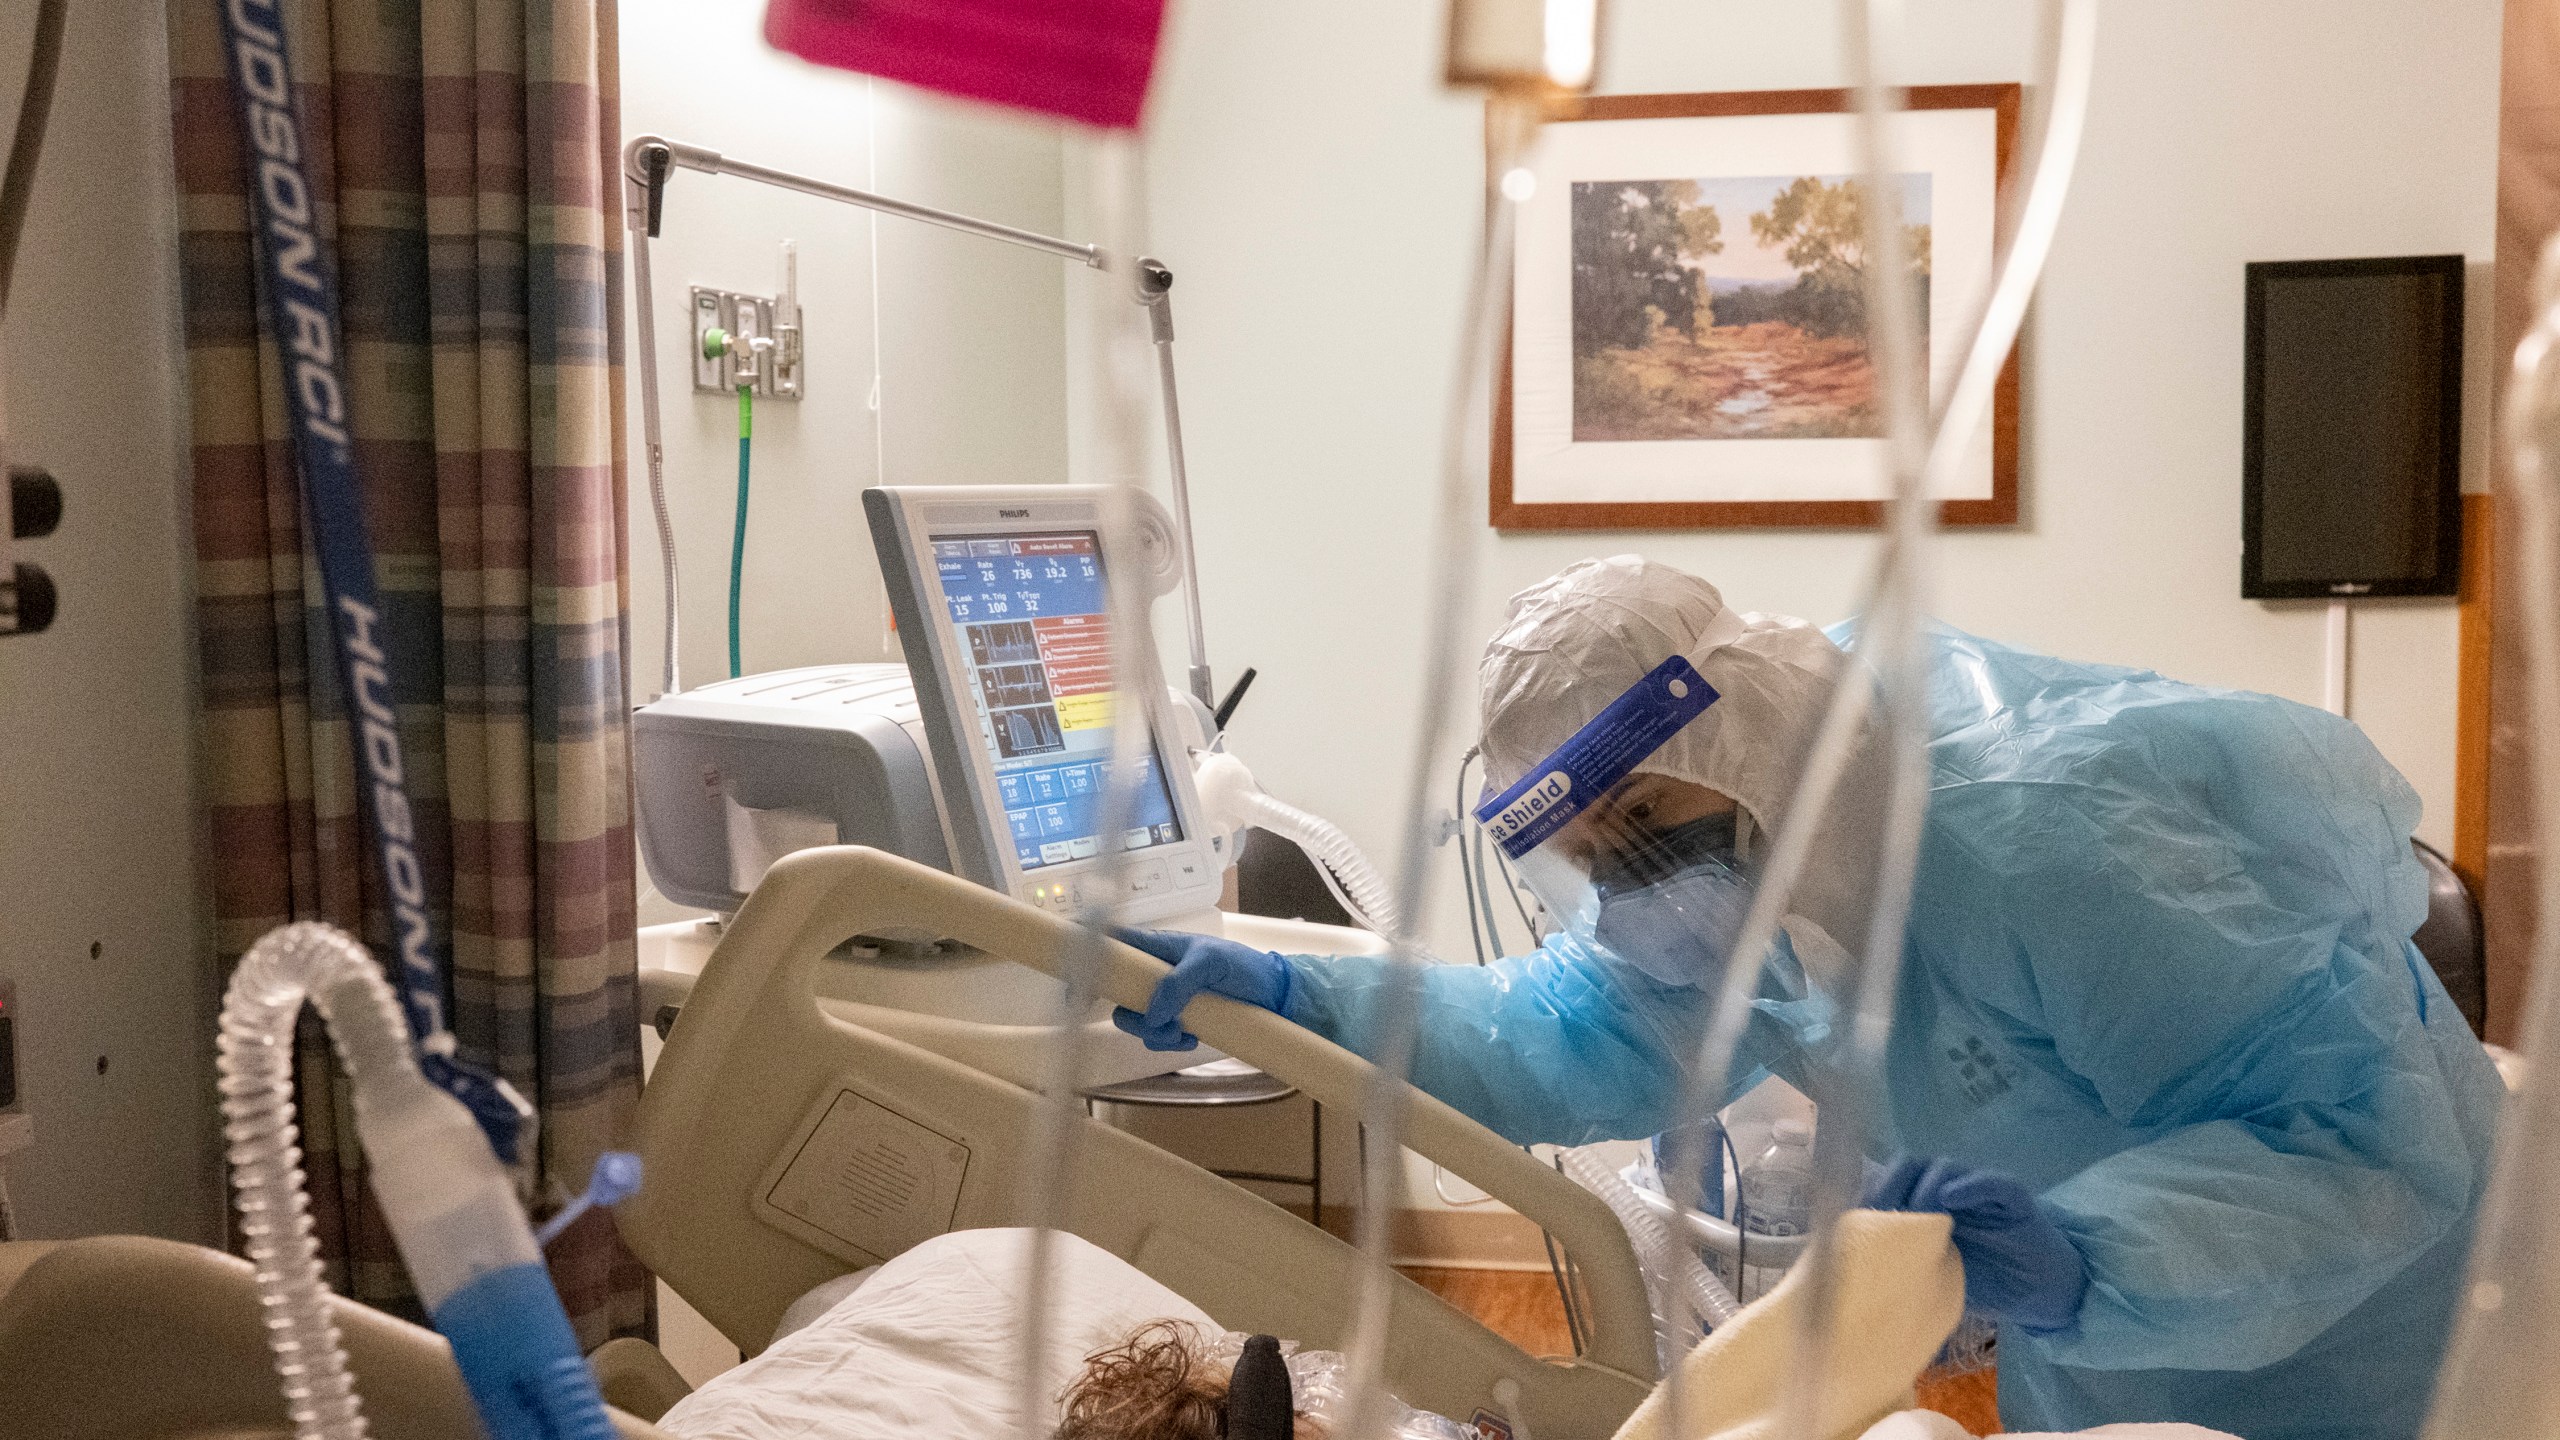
{"x": 1595, "y": 758}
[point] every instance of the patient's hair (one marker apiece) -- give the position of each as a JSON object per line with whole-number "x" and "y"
{"x": 1155, "y": 1385}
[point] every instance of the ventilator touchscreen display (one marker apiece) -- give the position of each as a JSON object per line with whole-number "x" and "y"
{"x": 1028, "y": 612}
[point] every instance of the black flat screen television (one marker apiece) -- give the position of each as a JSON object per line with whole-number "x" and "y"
{"x": 2351, "y": 469}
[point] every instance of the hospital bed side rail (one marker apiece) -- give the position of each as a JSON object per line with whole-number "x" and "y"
{"x": 814, "y": 900}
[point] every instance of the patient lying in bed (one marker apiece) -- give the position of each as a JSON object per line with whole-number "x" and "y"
{"x": 927, "y": 1346}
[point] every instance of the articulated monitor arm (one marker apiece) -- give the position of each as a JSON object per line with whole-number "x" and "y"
{"x": 650, "y": 161}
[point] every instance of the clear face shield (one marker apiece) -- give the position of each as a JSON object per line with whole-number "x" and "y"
{"x": 1625, "y": 855}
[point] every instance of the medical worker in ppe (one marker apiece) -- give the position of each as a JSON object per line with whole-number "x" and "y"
{"x": 2211, "y": 1132}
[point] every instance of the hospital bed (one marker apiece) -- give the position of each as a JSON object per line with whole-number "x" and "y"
{"x": 786, "y": 1146}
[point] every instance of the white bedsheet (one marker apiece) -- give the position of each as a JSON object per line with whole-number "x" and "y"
{"x": 1929, "y": 1425}
{"x": 926, "y": 1348}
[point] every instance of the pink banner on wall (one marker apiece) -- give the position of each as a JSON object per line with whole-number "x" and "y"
{"x": 1083, "y": 60}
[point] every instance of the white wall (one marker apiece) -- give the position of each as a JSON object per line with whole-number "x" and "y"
{"x": 100, "y": 917}
{"x": 969, "y": 340}
{"x": 1314, "y": 188}
{"x": 970, "y": 332}
{"x": 967, "y": 345}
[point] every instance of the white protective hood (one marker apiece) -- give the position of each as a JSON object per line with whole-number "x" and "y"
{"x": 1577, "y": 640}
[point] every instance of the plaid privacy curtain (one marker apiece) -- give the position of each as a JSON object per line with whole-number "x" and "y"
{"x": 463, "y": 152}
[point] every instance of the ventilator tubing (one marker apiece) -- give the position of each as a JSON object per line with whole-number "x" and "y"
{"x": 1233, "y": 801}
{"x": 1667, "y": 1273}
{"x": 451, "y": 1207}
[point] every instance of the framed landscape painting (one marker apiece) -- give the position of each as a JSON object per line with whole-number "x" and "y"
{"x": 1689, "y": 332}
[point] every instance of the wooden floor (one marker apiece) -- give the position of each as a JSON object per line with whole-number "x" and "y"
{"x": 1521, "y": 1307}
{"x": 1518, "y": 1305}
{"x": 1971, "y": 1399}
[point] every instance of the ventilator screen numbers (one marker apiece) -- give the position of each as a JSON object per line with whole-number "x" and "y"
{"x": 1029, "y": 611}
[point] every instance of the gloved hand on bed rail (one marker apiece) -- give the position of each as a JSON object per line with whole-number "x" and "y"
{"x": 2018, "y": 1264}
{"x": 1200, "y": 963}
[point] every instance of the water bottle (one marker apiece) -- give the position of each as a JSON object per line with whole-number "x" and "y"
{"x": 1777, "y": 1196}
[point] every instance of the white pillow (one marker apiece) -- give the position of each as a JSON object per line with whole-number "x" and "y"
{"x": 808, "y": 1309}
{"x": 927, "y": 1347}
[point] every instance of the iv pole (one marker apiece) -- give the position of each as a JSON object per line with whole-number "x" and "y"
{"x": 648, "y": 162}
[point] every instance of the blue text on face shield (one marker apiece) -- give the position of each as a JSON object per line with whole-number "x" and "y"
{"x": 1598, "y": 756}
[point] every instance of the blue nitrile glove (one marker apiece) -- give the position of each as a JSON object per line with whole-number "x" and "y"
{"x": 1200, "y": 962}
{"x": 2018, "y": 1263}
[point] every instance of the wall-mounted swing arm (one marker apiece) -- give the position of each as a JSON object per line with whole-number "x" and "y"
{"x": 639, "y": 161}
{"x": 1155, "y": 291}
{"x": 649, "y": 162}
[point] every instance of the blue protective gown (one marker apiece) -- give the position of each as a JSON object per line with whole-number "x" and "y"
{"x": 2158, "y": 968}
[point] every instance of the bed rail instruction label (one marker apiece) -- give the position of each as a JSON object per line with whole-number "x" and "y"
{"x": 871, "y": 1178}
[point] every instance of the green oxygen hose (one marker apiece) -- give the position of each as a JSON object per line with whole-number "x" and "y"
{"x": 738, "y": 538}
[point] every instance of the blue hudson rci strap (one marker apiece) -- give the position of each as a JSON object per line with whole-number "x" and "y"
{"x": 1598, "y": 756}
{"x": 302, "y": 311}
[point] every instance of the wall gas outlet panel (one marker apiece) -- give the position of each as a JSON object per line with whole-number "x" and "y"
{"x": 746, "y": 318}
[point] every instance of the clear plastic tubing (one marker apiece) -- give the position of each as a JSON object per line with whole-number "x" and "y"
{"x": 1707, "y": 1296}
{"x": 1059, "y": 1129}
{"x": 451, "y": 1206}
{"x": 256, "y": 1069}
{"x": 1510, "y": 121}
{"x": 1363, "y": 886}
{"x": 2498, "y": 1380}
{"x": 2073, "y": 64}
{"x": 1228, "y": 792}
